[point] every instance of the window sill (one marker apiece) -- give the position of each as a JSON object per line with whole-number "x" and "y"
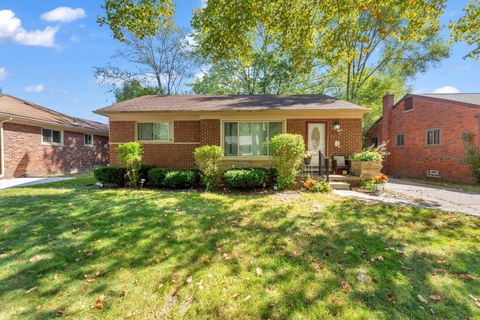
{"x": 239, "y": 158}
{"x": 156, "y": 141}
{"x": 52, "y": 144}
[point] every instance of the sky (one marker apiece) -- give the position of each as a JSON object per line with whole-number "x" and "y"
{"x": 49, "y": 48}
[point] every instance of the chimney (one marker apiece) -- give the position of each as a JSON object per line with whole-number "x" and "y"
{"x": 386, "y": 131}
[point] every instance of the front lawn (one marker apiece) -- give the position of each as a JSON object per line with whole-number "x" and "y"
{"x": 73, "y": 251}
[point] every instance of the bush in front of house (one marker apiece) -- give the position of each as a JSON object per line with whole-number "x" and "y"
{"x": 207, "y": 159}
{"x": 156, "y": 177}
{"x": 286, "y": 153}
{"x": 110, "y": 175}
{"x": 251, "y": 178}
{"x": 372, "y": 154}
{"x": 185, "y": 178}
{"x": 144, "y": 170}
{"x": 130, "y": 154}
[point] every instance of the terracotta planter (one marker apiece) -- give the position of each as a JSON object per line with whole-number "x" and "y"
{"x": 366, "y": 169}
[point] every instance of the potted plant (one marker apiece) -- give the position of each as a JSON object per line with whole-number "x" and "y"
{"x": 307, "y": 156}
{"x": 380, "y": 181}
{"x": 368, "y": 163}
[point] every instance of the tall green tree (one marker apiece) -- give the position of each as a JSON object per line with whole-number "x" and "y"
{"x": 132, "y": 89}
{"x": 139, "y": 17}
{"x": 467, "y": 28}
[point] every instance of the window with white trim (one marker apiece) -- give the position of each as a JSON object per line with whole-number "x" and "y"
{"x": 50, "y": 136}
{"x": 432, "y": 137}
{"x": 158, "y": 131}
{"x": 244, "y": 138}
{"x": 88, "y": 140}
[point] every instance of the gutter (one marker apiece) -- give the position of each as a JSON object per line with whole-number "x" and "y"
{"x": 2, "y": 147}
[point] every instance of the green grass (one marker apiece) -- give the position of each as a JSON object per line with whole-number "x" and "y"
{"x": 464, "y": 187}
{"x": 310, "y": 249}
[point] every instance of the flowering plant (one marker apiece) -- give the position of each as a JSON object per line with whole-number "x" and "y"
{"x": 381, "y": 178}
{"x": 309, "y": 154}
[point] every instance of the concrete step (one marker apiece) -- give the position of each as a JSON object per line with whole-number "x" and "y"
{"x": 337, "y": 185}
{"x": 337, "y": 177}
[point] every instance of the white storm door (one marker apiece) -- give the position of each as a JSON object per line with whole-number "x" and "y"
{"x": 316, "y": 140}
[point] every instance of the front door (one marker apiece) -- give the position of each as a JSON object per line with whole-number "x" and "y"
{"x": 316, "y": 139}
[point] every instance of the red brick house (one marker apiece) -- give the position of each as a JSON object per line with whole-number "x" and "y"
{"x": 36, "y": 141}
{"x": 425, "y": 135}
{"x": 171, "y": 127}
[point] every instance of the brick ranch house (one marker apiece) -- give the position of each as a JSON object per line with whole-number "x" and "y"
{"x": 36, "y": 141}
{"x": 171, "y": 127}
{"x": 425, "y": 135}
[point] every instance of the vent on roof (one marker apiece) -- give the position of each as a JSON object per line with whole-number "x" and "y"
{"x": 408, "y": 104}
{"x": 433, "y": 173}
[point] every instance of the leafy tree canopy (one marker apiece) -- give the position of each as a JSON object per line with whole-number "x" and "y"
{"x": 467, "y": 28}
{"x": 139, "y": 17}
{"x": 132, "y": 89}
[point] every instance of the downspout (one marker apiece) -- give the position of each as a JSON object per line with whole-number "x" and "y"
{"x": 2, "y": 147}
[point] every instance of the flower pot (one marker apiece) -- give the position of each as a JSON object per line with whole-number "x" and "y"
{"x": 307, "y": 161}
{"x": 366, "y": 169}
{"x": 379, "y": 187}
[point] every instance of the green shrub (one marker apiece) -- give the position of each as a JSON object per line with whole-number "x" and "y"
{"x": 286, "y": 152}
{"x": 253, "y": 178}
{"x": 186, "y": 178}
{"x": 144, "y": 170}
{"x": 156, "y": 176}
{"x": 322, "y": 187}
{"x": 368, "y": 185}
{"x": 368, "y": 155}
{"x": 110, "y": 175}
{"x": 272, "y": 177}
{"x": 130, "y": 154}
{"x": 207, "y": 159}
{"x": 472, "y": 155}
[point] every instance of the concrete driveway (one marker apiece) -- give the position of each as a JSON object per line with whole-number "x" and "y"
{"x": 404, "y": 192}
{"x": 23, "y": 182}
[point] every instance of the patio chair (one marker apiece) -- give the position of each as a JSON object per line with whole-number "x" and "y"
{"x": 340, "y": 164}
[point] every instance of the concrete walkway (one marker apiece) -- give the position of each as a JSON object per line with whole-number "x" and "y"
{"x": 23, "y": 182}
{"x": 403, "y": 192}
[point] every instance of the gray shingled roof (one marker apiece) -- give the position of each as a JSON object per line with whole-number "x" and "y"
{"x": 11, "y": 106}
{"x": 470, "y": 98}
{"x": 196, "y": 103}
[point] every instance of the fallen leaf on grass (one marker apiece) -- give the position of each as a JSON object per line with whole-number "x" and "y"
{"x": 475, "y": 300}
{"x": 439, "y": 272}
{"x": 377, "y": 258}
{"x": 344, "y": 286}
{"x": 60, "y": 313}
{"x": 435, "y": 297}
{"x": 35, "y": 259}
{"x": 259, "y": 271}
{"x": 124, "y": 293}
{"x": 56, "y": 276}
{"x": 3, "y": 255}
{"x": 200, "y": 284}
{"x": 421, "y": 299}
{"x": 189, "y": 279}
{"x": 90, "y": 280}
{"x": 99, "y": 273}
{"x": 247, "y": 298}
{"x": 390, "y": 297}
{"x": 466, "y": 277}
{"x": 226, "y": 256}
{"x": 31, "y": 289}
{"x": 235, "y": 296}
{"x": 99, "y": 302}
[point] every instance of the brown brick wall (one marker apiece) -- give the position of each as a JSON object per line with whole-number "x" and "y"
{"x": 122, "y": 131}
{"x": 210, "y": 132}
{"x": 350, "y": 137}
{"x": 186, "y": 131}
{"x": 415, "y": 158}
{"x": 26, "y": 156}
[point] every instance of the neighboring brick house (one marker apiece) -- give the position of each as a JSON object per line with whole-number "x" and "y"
{"x": 36, "y": 141}
{"x": 171, "y": 127}
{"x": 425, "y": 135}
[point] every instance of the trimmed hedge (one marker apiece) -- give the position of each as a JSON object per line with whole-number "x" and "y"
{"x": 186, "y": 178}
{"x": 110, "y": 175}
{"x": 144, "y": 170}
{"x": 156, "y": 176}
{"x": 249, "y": 178}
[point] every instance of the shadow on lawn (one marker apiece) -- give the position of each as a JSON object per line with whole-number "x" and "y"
{"x": 80, "y": 228}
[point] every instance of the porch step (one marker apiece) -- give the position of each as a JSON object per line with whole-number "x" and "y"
{"x": 337, "y": 178}
{"x": 338, "y": 185}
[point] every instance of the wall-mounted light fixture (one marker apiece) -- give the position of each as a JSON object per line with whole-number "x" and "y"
{"x": 337, "y": 127}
